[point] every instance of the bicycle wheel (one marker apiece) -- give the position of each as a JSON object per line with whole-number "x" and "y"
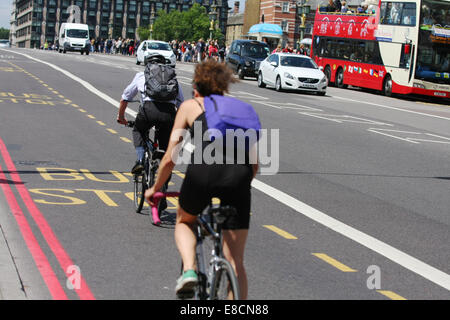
{"x": 140, "y": 186}
{"x": 225, "y": 286}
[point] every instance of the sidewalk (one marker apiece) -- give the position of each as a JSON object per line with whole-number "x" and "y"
{"x": 11, "y": 287}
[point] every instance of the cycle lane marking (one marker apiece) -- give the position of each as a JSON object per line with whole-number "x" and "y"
{"x": 405, "y": 260}
{"x": 338, "y": 265}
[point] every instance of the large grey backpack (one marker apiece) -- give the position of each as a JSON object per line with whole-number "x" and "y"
{"x": 160, "y": 82}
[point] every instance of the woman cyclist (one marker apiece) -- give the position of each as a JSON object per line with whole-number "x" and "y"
{"x": 228, "y": 182}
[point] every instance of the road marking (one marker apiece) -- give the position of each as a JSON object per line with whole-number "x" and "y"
{"x": 82, "y": 110}
{"x": 112, "y": 131}
{"x": 84, "y": 83}
{"x": 280, "y": 232}
{"x": 178, "y": 173}
{"x": 125, "y": 139}
{"x": 344, "y": 118}
{"x": 408, "y": 136}
{"x": 394, "y": 108}
{"x": 338, "y": 265}
{"x": 391, "y": 295}
{"x": 415, "y": 265}
{"x": 409, "y": 262}
{"x": 101, "y": 123}
{"x": 91, "y": 116}
{"x": 75, "y": 105}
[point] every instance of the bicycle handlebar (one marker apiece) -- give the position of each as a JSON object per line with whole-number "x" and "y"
{"x": 156, "y": 198}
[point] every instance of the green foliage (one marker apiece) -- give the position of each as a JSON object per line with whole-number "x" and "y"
{"x": 188, "y": 25}
{"x": 4, "y": 33}
{"x": 143, "y": 32}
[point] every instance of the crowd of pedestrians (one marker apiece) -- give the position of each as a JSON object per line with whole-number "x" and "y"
{"x": 126, "y": 47}
{"x": 197, "y": 51}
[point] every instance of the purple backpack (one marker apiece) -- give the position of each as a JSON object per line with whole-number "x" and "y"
{"x": 224, "y": 113}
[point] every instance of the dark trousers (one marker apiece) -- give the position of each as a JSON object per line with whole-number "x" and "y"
{"x": 158, "y": 114}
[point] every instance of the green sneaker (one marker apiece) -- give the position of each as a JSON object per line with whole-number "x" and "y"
{"x": 186, "y": 284}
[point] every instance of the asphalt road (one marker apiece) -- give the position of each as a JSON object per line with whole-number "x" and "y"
{"x": 359, "y": 207}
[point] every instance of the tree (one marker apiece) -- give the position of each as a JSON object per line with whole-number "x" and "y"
{"x": 188, "y": 25}
{"x": 4, "y": 33}
{"x": 143, "y": 32}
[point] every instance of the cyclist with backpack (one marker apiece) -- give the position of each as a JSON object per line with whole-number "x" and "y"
{"x": 229, "y": 181}
{"x": 161, "y": 95}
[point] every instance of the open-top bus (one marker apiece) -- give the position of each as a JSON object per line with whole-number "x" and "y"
{"x": 401, "y": 46}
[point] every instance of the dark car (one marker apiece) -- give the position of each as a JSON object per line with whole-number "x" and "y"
{"x": 245, "y": 56}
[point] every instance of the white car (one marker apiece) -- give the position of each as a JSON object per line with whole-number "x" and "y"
{"x": 4, "y": 43}
{"x": 292, "y": 72}
{"x": 153, "y": 46}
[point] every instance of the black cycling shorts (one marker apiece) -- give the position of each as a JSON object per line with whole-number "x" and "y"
{"x": 229, "y": 183}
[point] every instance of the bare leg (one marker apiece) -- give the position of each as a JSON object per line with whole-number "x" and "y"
{"x": 185, "y": 238}
{"x": 233, "y": 249}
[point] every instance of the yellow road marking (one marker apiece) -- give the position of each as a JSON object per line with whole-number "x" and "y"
{"x": 101, "y": 123}
{"x": 280, "y": 232}
{"x": 391, "y": 295}
{"x": 334, "y": 262}
{"x": 45, "y": 85}
{"x": 61, "y": 96}
{"x": 55, "y": 92}
{"x": 82, "y": 110}
{"x": 91, "y": 116}
{"x": 178, "y": 173}
{"x": 112, "y": 131}
{"x": 125, "y": 139}
{"x": 74, "y": 105}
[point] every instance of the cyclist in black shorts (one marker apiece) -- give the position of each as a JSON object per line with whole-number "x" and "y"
{"x": 228, "y": 182}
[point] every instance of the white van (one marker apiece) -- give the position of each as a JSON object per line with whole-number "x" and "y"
{"x": 74, "y": 37}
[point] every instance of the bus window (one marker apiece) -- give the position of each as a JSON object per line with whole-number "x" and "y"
{"x": 398, "y": 13}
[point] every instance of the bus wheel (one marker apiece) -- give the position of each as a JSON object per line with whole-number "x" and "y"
{"x": 339, "y": 81}
{"x": 387, "y": 86}
{"x": 328, "y": 74}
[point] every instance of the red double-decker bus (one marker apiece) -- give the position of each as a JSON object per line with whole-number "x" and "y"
{"x": 401, "y": 46}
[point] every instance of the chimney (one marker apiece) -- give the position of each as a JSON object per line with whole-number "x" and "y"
{"x": 236, "y": 7}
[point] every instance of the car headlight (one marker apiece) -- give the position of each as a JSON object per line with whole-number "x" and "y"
{"x": 324, "y": 79}
{"x": 288, "y": 75}
{"x": 248, "y": 63}
{"x": 418, "y": 85}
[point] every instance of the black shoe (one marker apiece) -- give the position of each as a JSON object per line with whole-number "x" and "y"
{"x": 138, "y": 167}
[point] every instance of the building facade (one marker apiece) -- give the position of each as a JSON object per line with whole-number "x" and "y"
{"x": 38, "y": 21}
{"x": 235, "y": 25}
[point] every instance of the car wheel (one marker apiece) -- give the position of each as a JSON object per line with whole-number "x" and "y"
{"x": 82, "y": 52}
{"x": 240, "y": 73}
{"x": 278, "y": 85}
{"x": 321, "y": 93}
{"x": 387, "y": 86}
{"x": 87, "y": 53}
{"x": 339, "y": 81}
{"x": 261, "y": 83}
{"x": 138, "y": 62}
{"x": 64, "y": 51}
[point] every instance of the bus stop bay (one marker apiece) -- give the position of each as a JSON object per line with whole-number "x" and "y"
{"x": 78, "y": 193}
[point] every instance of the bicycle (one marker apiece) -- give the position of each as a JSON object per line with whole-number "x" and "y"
{"x": 144, "y": 180}
{"x": 217, "y": 279}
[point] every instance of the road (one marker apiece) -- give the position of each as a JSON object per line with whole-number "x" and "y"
{"x": 357, "y": 206}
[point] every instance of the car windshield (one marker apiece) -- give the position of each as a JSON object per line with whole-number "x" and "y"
{"x": 158, "y": 46}
{"x": 77, "y": 33}
{"x": 298, "y": 62}
{"x": 255, "y": 50}
{"x": 4, "y": 41}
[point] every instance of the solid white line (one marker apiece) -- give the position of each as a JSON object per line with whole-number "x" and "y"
{"x": 440, "y": 278}
{"x": 393, "y": 108}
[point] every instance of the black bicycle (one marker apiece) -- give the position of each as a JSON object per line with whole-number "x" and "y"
{"x": 216, "y": 276}
{"x": 146, "y": 178}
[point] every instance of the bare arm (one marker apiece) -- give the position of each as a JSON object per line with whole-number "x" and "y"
{"x": 121, "y": 115}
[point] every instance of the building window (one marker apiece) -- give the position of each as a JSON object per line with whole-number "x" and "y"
{"x": 284, "y": 26}
{"x": 285, "y": 7}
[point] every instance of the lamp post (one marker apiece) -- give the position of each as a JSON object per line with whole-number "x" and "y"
{"x": 152, "y": 20}
{"x": 302, "y": 10}
{"x": 212, "y": 17}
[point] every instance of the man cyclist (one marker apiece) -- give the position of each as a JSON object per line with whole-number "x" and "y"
{"x": 160, "y": 114}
